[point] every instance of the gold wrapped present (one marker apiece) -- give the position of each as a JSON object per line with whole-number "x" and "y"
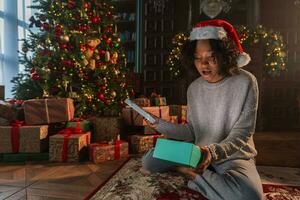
{"x": 101, "y": 152}
{"x": 131, "y": 117}
{"x": 142, "y": 143}
{"x": 106, "y": 129}
{"x": 46, "y": 111}
{"x": 69, "y": 145}
{"x": 180, "y": 111}
{"x": 142, "y": 102}
{"x": 23, "y": 139}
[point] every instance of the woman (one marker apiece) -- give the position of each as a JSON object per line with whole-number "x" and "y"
{"x": 222, "y": 108}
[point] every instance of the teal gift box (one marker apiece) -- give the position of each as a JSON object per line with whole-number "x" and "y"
{"x": 84, "y": 125}
{"x": 182, "y": 153}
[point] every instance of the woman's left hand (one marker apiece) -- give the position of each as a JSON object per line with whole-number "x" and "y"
{"x": 207, "y": 159}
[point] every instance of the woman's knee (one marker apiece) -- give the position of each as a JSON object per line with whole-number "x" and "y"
{"x": 147, "y": 161}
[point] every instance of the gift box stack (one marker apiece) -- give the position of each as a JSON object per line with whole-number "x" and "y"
{"x": 106, "y": 139}
{"x": 140, "y": 136}
{"x": 20, "y": 142}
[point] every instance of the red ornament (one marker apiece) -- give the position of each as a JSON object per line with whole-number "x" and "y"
{"x": 100, "y": 96}
{"x": 90, "y": 14}
{"x": 63, "y": 46}
{"x": 102, "y": 53}
{"x": 108, "y": 40}
{"x": 35, "y": 76}
{"x": 32, "y": 71}
{"x": 71, "y": 4}
{"x": 108, "y": 29}
{"x": 83, "y": 27}
{"x": 95, "y": 20}
{"x": 85, "y": 5}
{"x": 82, "y": 47}
{"x": 46, "y": 26}
{"x": 68, "y": 63}
{"x": 58, "y": 29}
{"x": 108, "y": 14}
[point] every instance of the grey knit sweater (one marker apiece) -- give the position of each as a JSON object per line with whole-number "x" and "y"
{"x": 221, "y": 116}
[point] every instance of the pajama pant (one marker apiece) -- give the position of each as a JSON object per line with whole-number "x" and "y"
{"x": 230, "y": 180}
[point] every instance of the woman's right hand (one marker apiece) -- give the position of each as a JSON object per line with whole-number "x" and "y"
{"x": 155, "y": 124}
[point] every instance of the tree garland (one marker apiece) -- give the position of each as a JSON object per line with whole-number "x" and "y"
{"x": 274, "y": 56}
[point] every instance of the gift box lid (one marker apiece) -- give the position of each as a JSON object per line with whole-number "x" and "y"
{"x": 182, "y": 153}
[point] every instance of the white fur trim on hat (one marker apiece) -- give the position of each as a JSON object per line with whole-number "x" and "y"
{"x": 243, "y": 59}
{"x": 208, "y": 32}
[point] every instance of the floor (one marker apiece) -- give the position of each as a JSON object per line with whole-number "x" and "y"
{"x": 51, "y": 181}
{"x": 57, "y": 181}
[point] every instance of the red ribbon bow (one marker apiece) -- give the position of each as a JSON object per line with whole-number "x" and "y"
{"x": 67, "y": 133}
{"x": 15, "y": 135}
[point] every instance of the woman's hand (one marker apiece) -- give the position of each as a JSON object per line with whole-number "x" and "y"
{"x": 155, "y": 124}
{"x": 206, "y": 161}
{"x": 187, "y": 171}
{"x": 207, "y": 158}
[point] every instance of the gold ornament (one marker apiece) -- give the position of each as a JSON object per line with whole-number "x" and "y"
{"x": 92, "y": 64}
{"x": 117, "y": 72}
{"x": 107, "y": 56}
{"x": 103, "y": 67}
{"x": 115, "y": 55}
{"x": 48, "y": 41}
{"x": 64, "y": 38}
{"x": 85, "y": 62}
{"x": 113, "y": 94}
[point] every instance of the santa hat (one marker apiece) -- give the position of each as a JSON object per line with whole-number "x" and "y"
{"x": 219, "y": 29}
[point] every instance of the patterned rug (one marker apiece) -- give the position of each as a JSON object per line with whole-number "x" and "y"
{"x": 132, "y": 183}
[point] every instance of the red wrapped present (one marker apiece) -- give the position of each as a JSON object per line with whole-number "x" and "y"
{"x": 142, "y": 143}
{"x": 69, "y": 145}
{"x": 101, "y": 152}
{"x": 46, "y": 111}
{"x": 23, "y": 139}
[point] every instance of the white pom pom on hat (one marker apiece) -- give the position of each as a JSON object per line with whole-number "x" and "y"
{"x": 219, "y": 29}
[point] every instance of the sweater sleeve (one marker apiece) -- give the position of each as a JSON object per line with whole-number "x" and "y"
{"x": 242, "y": 130}
{"x": 183, "y": 132}
{"x": 176, "y": 131}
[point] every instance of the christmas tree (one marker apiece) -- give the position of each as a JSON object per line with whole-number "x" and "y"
{"x": 76, "y": 53}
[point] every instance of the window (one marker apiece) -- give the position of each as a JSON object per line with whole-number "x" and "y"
{"x": 1, "y": 41}
{"x": 14, "y": 19}
{"x": 24, "y": 13}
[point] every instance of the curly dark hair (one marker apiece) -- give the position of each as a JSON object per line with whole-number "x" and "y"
{"x": 225, "y": 50}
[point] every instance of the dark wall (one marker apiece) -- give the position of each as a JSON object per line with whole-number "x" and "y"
{"x": 280, "y": 108}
